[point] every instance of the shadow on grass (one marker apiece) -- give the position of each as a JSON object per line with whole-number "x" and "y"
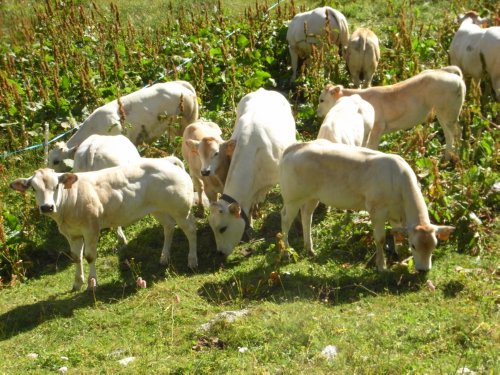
{"x": 27, "y": 317}
{"x": 141, "y": 256}
{"x": 345, "y": 249}
{"x": 342, "y": 286}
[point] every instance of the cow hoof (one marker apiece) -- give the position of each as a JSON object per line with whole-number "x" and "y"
{"x": 92, "y": 285}
{"x": 77, "y": 285}
{"x": 164, "y": 260}
{"x": 193, "y": 263}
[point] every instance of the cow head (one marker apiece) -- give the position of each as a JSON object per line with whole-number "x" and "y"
{"x": 58, "y": 154}
{"x": 46, "y": 184}
{"x": 328, "y": 97}
{"x": 212, "y": 152}
{"x": 423, "y": 240}
{"x": 475, "y": 18}
{"x": 227, "y": 224}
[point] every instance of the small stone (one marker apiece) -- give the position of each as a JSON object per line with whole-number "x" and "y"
{"x": 329, "y": 352}
{"x": 126, "y": 361}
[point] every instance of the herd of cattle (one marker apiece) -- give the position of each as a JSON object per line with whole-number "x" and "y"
{"x": 112, "y": 186}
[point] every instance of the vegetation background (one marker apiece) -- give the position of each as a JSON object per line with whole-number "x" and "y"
{"x": 60, "y": 60}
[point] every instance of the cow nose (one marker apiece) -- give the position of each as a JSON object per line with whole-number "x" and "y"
{"x": 47, "y": 208}
{"x": 205, "y": 172}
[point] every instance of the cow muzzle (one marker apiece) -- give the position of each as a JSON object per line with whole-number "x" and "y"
{"x": 47, "y": 208}
{"x": 205, "y": 172}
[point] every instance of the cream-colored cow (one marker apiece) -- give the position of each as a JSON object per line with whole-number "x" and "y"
{"x": 142, "y": 116}
{"x": 308, "y": 28}
{"x": 362, "y": 56}
{"x": 356, "y": 178}
{"x": 200, "y": 142}
{"x": 349, "y": 121}
{"x": 84, "y": 203}
{"x": 264, "y": 128}
{"x": 408, "y": 103}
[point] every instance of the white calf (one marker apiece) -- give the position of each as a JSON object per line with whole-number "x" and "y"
{"x": 141, "y": 116}
{"x": 408, "y": 103}
{"x": 200, "y": 139}
{"x": 356, "y": 178}
{"x": 84, "y": 203}
{"x": 362, "y": 56}
{"x": 264, "y": 128}
{"x": 349, "y": 121}
{"x": 105, "y": 151}
{"x": 306, "y": 29}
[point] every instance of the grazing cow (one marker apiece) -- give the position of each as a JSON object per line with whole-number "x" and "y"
{"x": 349, "y": 121}
{"x": 201, "y": 141}
{"x": 84, "y": 203}
{"x": 105, "y": 151}
{"x": 362, "y": 56}
{"x": 264, "y": 128}
{"x": 308, "y": 28}
{"x": 410, "y": 102}
{"x": 141, "y": 116}
{"x": 356, "y": 178}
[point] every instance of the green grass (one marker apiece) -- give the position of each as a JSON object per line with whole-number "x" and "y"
{"x": 381, "y": 323}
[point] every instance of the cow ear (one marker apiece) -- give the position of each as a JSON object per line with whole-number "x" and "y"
{"x": 231, "y": 144}
{"x": 71, "y": 152}
{"x": 337, "y": 91}
{"x": 399, "y": 234}
{"x": 235, "y": 210}
{"x": 193, "y": 145}
{"x": 443, "y": 232}
{"x": 21, "y": 184}
{"x": 68, "y": 179}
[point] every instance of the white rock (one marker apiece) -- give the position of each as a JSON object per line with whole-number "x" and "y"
{"x": 465, "y": 370}
{"x": 329, "y": 352}
{"x": 126, "y": 361}
{"x": 227, "y": 316}
{"x": 63, "y": 370}
{"x": 242, "y": 349}
{"x": 32, "y": 355}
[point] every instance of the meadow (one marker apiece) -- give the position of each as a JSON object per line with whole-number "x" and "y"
{"x": 61, "y": 60}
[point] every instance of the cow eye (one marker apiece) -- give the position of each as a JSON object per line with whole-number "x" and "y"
{"x": 413, "y": 246}
{"x": 321, "y": 100}
{"x": 222, "y": 229}
{"x": 217, "y": 153}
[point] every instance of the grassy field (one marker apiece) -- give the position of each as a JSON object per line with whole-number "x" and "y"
{"x": 60, "y": 61}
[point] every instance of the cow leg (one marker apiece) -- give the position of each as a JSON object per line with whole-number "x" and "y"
{"x": 76, "y": 246}
{"x": 295, "y": 63}
{"x": 374, "y": 136}
{"x": 168, "y": 233}
{"x": 90, "y": 254}
{"x": 188, "y": 226}
{"x": 121, "y": 236}
{"x": 198, "y": 187}
{"x": 451, "y": 135}
{"x": 288, "y": 214}
{"x": 306, "y": 214}
{"x": 378, "y": 217}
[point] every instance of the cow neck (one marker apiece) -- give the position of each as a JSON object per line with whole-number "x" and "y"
{"x": 414, "y": 205}
{"x": 244, "y": 216}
